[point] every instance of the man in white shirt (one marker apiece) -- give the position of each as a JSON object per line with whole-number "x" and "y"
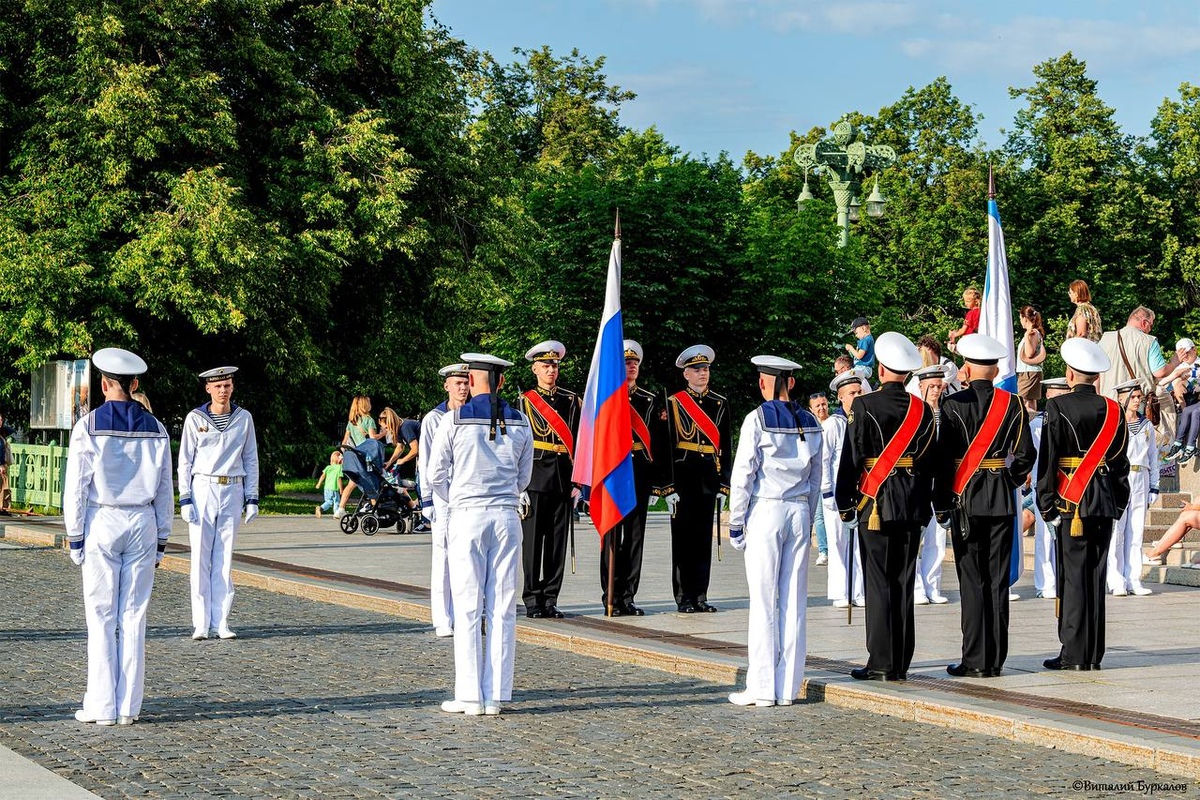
{"x": 846, "y": 386}
{"x": 441, "y": 604}
{"x": 480, "y": 463}
{"x": 117, "y": 509}
{"x": 218, "y": 476}
{"x": 775, "y": 489}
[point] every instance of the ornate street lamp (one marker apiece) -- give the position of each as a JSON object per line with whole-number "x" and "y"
{"x": 844, "y": 160}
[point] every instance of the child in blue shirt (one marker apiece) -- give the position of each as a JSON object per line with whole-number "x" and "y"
{"x": 863, "y": 351}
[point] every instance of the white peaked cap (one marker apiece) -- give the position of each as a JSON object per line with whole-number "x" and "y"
{"x": 633, "y": 350}
{"x": 1127, "y": 386}
{"x": 981, "y": 349}
{"x": 897, "y": 353}
{"x": 549, "y": 350}
{"x": 849, "y": 376}
{"x": 218, "y": 373}
{"x": 118, "y": 362}
{"x": 484, "y": 361}
{"x": 773, "y": 365}
{"x": 944, "y": 371}
{"x": 1084, "y": 355}
{"x": 698, "y": 355}
{"x": 452, "y": 370}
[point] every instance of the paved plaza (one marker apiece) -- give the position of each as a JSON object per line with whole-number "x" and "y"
{"x": 318, "y": 699}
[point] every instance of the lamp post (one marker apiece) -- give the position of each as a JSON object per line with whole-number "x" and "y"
{"x": 844, "y": 160}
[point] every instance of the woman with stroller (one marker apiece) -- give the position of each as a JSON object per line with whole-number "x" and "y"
{"x": 359, "y": 428}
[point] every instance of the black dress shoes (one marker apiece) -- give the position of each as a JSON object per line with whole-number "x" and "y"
{"x": 703, "y": 606}
{"x": 959, "y": 671}
{"x": 688, "y": 608}
{"x": 633, "y": 611}
{"x": 552, "y": 612}
{"x": 534, "y": 613}
{"x": 864, "y": 674}
{"x": 617, "y": 611}
{"x": 1057, "y": 663}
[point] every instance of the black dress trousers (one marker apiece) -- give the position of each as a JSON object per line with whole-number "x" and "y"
{"x": 889, "y": 559}
{"x": 544, "y": 547}
{"x": 983, "y": 560}
{"x": 1082, "y": 584}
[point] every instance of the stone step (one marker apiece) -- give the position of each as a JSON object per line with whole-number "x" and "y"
{"x": 1175, "y": 576}
{"x": 1172, "y": 499}
{"x": 1162, "y": 516}
{"x": 1155, "y": 532}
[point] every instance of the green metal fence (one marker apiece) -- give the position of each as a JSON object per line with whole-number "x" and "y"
{"x": 37, "y": 473}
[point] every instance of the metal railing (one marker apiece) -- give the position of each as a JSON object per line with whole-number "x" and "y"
{"x": 37, "y": 474}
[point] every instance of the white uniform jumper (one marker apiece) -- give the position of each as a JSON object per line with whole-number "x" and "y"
{"x": 441, "y": 603}
{"x": 927, "y": 578}
{"x": 1125, "y": 552}
{"x": 1045, "y": 580}
{"x": 480, "y": 481}
{"x": 117, "y": 501}
{"x": 774, "y": 491}
{"x": 218, "y": 472}
{"x": 832, "y": 435}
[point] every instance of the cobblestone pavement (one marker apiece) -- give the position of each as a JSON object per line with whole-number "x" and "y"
{"x": 318, "y": 700}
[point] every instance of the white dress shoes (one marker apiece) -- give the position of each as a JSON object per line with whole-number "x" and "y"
{"x": 126, "y": 720}
{"x": 744, "y": 699}
{"x": 1120, "y": 592}
{"x": 83, "y": 716}
{"x": 841, "y": 603}
{"x": 938, "y": 599}
{"x": 920, "y": 600}
{"x": 443, "y": 633}
{"x": 226, "y": 633}
{"x": 462, "y": 707}
{"x": 199, "y": 634}
{"x": 491, "y": 709}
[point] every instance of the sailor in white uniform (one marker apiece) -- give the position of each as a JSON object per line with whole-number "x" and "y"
{"x": 846, "y": 386}
{"x": 441, "y": 604}
{"x": 775, "y": 489}
{"x": 1045, "y": 578}
{"x": 117, "y": 507}
{"x": 932, "y": 383}
{"x": 1125, "y": 552}
{"x": 218, "y": 477}
{"x": 480, "y": 463}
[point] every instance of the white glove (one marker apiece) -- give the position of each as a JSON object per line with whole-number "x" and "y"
{"x": 523, "y": 505}
{"x": 737, "y": 538}
{"x": 429, "y": 514}
{"x": 721, "y": 503}
{"x": 576, "y": 493}
{"x": 851, "y": 525}
{"x": 189, "y": 513}
{"x": 77, "y": 556}
{"x": 251, "y": 513}
{"x": 671, "y": 500}
{"x": 1054, "y": 523}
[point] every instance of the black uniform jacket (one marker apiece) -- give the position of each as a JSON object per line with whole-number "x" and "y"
{"x": 907, "y": 495}
{"x": 651, "y": 468}
{"x": 989, "y": 493}
{"x": 1073, "y": 421}
{"x": 551, "y": 463}
{"x": 698, "y": 466}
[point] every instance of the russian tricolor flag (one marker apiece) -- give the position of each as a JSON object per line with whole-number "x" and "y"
{"x": 996, "y": 320}
{"x": 604, "y": 446}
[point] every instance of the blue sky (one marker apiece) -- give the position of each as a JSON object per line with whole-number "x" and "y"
{"x": 737, "y": 75}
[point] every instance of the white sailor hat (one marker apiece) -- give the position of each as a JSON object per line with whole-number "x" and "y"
{"x": 1129, "y": 385}
{"x": 1055, "y": 383}
{"x": 1084, "y": 355}
{"x": 842, "y": 379}
{"x": 218, "y": 374}
{"x": 117, "y": 363}
{"x": 1185, "y": 344}
{"x": 454, "y": 371}
{"x": 981, "y": 349}
{"x": 548, "y": 351}
{"x": 897, "y": 353}
{"x": 941, "y": 371}
{"x": 698, "y": 355}
{"x": 484, "y": 361}
{"x": 633, "y": 350}
{"x": 774, "y": 365}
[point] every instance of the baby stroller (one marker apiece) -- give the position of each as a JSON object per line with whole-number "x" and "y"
{"x": 383, "y": 502}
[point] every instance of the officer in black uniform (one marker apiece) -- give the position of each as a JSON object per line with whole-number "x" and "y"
{"x": 889, "y": 540}
{"x": 983, "y": 517}
{"x": 700, "y": 469}
{"x": 1083, "y": 531}
{"x": 548, "y": 502}
{"x": 647, "y": 456}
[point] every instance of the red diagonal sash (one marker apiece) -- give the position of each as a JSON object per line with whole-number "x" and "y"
{"x": 985, "y": 437}
{"x": 641, "y": 431}
{"x": 702, "y": 420}
{"x": 1071, "y": 489}
{"x": 901, "y": 439}
{"x": 557, "y": 424}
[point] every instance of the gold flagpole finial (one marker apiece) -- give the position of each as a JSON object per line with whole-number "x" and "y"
{"x": 617, "y": 227}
